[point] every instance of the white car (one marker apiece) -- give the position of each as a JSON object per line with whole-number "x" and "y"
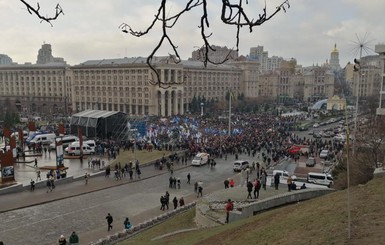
{"x": 283, "y": 174}
{"x": 340, "y": 137}
{"x": 240, "y": 165}
{"x": 316, "y": 125}
{"x": 74, "y": 149}
{"x": 324, "y": 154}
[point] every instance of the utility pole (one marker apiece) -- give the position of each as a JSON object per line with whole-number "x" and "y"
{"x": 230, "y": 95}
{"x": 357, "y": 68}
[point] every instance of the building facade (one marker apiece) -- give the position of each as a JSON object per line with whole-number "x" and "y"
{"x": 34, "y": 89}
{"x": 126, "y": 85}
{"x": 366, "y": 81}
{"x": 318, "y": 83}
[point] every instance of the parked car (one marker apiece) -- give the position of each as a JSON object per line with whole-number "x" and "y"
{"x": 316, "y": 125}
{"x": 324, "y": 154}
{"x": 240, "y": 165}
{"x": 310, "y": 162}
{"x": 340, "y": 137}
{"x": 284, "y": 174}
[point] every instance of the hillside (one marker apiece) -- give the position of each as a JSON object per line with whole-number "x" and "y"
{"x": 318, "y": 221}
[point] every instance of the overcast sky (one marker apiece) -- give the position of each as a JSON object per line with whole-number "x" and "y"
{"x": 89, "y": 29}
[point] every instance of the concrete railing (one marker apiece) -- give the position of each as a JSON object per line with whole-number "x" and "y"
{"x": 39, "y": 184}
{"x": 125, "y": 234}
{"x": 276, "y": 201}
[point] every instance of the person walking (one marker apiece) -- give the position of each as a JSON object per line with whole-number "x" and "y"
{"x": 35, "y": 163}
{"x": 109, "y": 221}
{"x": 232, "y": 183}
{"x": 249, "y": 189}
{"x": 167, "y": 199}
{"x": 32, "y": 185}
{"x": 74, "y": 239}
{"x": 276, "y": 180}
{"x": 188, "y": 178}
{"x": 181, "y": 202}
{"x": 62, "y": 240}
{"x": 38, "y": 177}
{"x": 289, "y": 183}
{"x": 226, "y": 182}
{"x": 257, "y": 187}
{"x": 138, "y": 171}
{"x": 175, "y": 202}
{"x": 229, "y": 207}
{"x": 49, "y": 186}
{"x": 86, "y": 177}
{"x": 162, "y": 203}
{"x": 263, "y": 180}
{"x": 200, "y": 189}
{"x": 178, "y": 181}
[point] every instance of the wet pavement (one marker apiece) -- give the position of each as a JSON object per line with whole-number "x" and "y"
{"x": 24, "y": 172}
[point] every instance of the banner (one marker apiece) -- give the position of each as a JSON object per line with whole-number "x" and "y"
{"x": 21, "y": 136}
{"x": 59, "y": 152}
{"x": 61, "y": 129}
{"x": 31, "y": 126}
{"x": 7, "y": 168}
{"x": 80, "y": 136}
{"x": 7, "y": 132}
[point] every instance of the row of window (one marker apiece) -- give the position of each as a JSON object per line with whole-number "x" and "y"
{"x": 28, "y": 72}
{"x": 111, "y": 100}
{"x": 120, "y": 71}
{"x": 22, "y": 79}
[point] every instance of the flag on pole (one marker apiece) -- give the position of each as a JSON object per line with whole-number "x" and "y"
{"x": 21, "y": 135}
{"x": 7, "y": 132}
{"x": 61, "y": 129}
{"x": 31, "y": 126}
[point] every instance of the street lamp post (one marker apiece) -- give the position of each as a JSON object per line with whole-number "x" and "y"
{"x": 202, "y": 104}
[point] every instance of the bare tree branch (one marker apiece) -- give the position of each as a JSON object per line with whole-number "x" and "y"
{"x": 232, "y": 14}
{"x": 36, "y": 11}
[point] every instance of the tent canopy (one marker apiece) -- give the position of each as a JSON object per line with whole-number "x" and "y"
{"x": 97, "y": 123}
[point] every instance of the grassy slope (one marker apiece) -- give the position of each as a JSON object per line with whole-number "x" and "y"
{"x": 319, "y": 221}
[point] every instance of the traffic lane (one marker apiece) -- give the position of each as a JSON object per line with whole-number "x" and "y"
{"x": 43, "y": 224}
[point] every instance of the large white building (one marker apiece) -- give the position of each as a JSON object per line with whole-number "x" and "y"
{"x": 127, "y": 85}
{"x": 35, "y": 88}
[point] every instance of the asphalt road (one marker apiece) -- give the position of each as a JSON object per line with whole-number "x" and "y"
{"x": 85, "y": 214}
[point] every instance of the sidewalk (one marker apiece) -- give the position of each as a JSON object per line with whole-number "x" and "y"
{"x": 24, "y": 199}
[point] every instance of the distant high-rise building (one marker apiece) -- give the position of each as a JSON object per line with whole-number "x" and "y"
{"x": 256, "y": 53}
{"x": 45, "y": 56}
{"x": 266, "y": 63}
{"x": 334, "y": 59}
{"x": 5, "y": 59}
{"x": 218, "y": 55}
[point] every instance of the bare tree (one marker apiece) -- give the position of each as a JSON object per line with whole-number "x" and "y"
{"x": 36, "y": 11}
{"x": 231, "y": 14}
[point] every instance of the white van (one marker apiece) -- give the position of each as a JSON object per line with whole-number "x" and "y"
{"x": 74, "y": 149}
{"x": 16, "y": 134}
{"x": 320, "y": 178}
{"x": 240, "y": 165}
{"x": 200, "y": 159}
{"x": 43, "y": 139}
{"x": 284, "y": 175}
{"x": 90, "y": 143}
{"x": 66, "y": 141}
